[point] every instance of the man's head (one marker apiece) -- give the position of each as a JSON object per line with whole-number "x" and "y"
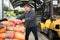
{"x": 27, "y": 8}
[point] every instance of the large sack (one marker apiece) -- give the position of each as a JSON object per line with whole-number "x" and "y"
{"x": 15, "y": 22}
{"x": 12, "y": 24}
{"x": 1, "y": 39}
{"x": 2, "y": 30}
{"x": 16, "y": 39}
{"x": 1, "y": 25}
{"x": 5, "y": 23}
{"x": 2, "y": 35}
{"x": 10, "y": 34}
{"x": 8, "y": 39}
{"x": 19, "y": 29}
{"x": 10, "y": 28}
{"x": 19, "y": 36}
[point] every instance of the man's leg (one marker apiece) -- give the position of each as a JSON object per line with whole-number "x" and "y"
{"x": 27, "y": 33}
{"x": 34, "y": 30}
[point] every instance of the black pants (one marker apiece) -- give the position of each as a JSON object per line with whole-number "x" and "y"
{"x": 28, "y": 30}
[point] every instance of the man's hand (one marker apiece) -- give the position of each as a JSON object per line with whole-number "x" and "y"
{"x": 23, "y": 20}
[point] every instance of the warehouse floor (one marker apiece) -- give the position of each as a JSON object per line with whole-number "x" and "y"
{"x": 40, "y": 36}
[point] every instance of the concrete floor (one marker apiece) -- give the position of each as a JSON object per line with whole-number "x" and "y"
{"x": 40, "y": 37}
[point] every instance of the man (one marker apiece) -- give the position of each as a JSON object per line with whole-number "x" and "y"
{"x": 29, "y": 18}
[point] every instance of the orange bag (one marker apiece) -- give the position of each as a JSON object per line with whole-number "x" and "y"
{"x": 2, "y": 30}
{"x": 16, "y": 39}
{"x": 10, "y": 34}
{"x": 2, "y": 35}
{"x": 5, "y": 23}
{"x": 8, "y": 39}
{"x": 1, "y": 39}
{"x": 10, "y": 20}
{"x": 17, "y": 21}
{"x": 19, "y": 29}
{"x": 19, "y": 36}
{"x": 10, "y": 28}
{"x": 12, "y": 24}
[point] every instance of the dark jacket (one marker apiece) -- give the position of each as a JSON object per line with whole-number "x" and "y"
{"x": 30, "y": 18}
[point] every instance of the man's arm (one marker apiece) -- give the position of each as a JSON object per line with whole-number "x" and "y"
{"x": 21, "y": 17}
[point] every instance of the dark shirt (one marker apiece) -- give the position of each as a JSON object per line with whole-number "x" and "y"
{"x": 30, "y": 18}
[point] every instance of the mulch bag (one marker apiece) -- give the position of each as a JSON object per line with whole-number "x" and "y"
{"x": 2, "y": 35}
{"x": 5, "y": 23}
{"x": 10, "y": 28}
{"x": 16, "y": 39}
{"x": 1, "y": 25}
{"x": 10, "y": 34}
{"x": 1, "y": 39}
{"x": 19, "y": 35}
{"x": 2, "y": 30}
{"x": 19, "y": 29}
{"x": 8, "y": 39}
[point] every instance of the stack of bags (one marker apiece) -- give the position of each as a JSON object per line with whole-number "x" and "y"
{"x": 13, "y": 30}
{"x": 2, "y": 33}
{"x": 19, "y": 32}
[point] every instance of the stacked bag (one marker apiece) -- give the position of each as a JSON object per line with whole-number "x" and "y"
{"x": 2, "y": 32}
{"x": 12, "y": 30}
